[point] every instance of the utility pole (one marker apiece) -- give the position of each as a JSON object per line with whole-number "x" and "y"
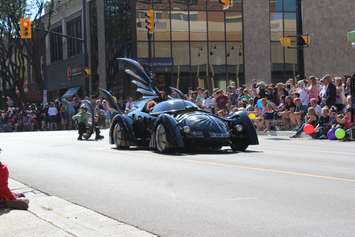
{"x": 86, "y": 59}
{"x": 299, "y": 39}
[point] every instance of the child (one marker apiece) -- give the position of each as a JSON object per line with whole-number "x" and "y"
{"x": 310, "y": 118}
{"x": 323, "y": 124}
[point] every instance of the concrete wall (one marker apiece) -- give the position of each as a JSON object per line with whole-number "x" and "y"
{"x": 257, "y": 40}
{"x": 328, "y": 21}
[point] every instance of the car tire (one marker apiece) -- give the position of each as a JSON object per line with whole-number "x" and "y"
{"x": 161, "y": 139}
{"x": 119, "y": 137}
{"x": 239, "y": 145}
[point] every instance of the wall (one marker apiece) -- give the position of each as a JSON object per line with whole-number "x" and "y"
{"x": 257, "y": 40}
{"x": 328, "y": 21}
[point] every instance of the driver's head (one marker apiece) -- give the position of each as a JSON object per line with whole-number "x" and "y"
{"x": 150, "y": 105}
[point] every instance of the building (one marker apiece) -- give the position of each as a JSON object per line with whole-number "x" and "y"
{"x": 198, "y": 44}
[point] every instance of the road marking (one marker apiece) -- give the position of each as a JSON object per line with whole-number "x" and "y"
{"x": 275, "y": 171}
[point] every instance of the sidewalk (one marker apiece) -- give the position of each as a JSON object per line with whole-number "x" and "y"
{"x": 50, "y": 216}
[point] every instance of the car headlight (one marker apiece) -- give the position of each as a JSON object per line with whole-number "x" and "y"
{"x": 239, "y": 127}
{"x": 186, "y": 129}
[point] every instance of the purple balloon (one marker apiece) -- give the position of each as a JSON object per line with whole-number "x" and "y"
{"x": 331, "y": 134}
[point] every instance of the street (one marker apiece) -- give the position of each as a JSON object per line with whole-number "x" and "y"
{"x": 282, "y": 187}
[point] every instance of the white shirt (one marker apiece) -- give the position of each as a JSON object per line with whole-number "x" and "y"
{"x": 52, "y": 111}
{"x": 303, "y": 96}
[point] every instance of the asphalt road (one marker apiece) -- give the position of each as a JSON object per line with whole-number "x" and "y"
{"x": 282, "y": 188}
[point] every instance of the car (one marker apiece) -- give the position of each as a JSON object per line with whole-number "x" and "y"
{"x": 170, "y": 125}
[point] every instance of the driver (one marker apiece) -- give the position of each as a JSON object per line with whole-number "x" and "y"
{"x": 82, "y": 118}
{"x": 150, "y": 106}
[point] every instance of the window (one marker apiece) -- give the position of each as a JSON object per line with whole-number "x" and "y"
{"x": 74, "y": 29}
{"x": 202, "y": 41}
{"x": 283, "y": 23}
{"x": 56, "y": 45}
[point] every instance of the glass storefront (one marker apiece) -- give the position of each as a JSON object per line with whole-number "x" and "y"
{"x": 195, "y": 44}
{"x": 283, "y": 23}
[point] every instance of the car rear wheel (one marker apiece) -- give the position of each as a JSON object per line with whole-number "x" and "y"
{"x": 161, "y": 139}
{"x": 119, "y": 138}
{"x": 239, "y": 145}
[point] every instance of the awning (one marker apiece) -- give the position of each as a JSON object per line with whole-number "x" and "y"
{"x": 71, "y": 92}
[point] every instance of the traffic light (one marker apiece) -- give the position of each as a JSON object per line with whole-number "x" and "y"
{"x": 225, "y": 3}
{"x": 25, "y": 28}
{"x": 87, "y": 72}
{"x": 306, "y": 40}
{"x": 285, "y": 42}
{"x": 150, "y": 21}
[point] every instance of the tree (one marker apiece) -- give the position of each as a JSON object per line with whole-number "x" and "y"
{"x": 16, "y": 55}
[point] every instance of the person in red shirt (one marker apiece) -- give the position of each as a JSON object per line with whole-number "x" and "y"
{"x": 221, "y": 100}
{"x": 9, "y": 199}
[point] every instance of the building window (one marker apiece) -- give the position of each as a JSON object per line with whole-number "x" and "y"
{"x": 56, "y": 45}
{"x": 74, "y": 30}
{"x": 203, "y": 42}
{"x": 283, "y": 23}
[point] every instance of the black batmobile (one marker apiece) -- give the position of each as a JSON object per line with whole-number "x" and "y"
{"x": 175, "y": 124}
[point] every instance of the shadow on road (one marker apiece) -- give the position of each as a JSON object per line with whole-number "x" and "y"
{"x": 4, "y": 211}
{"x": 278, "y": 139}
{"x": 189, "y": 153}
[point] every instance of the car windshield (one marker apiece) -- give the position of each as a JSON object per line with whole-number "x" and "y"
{"x": 173, "y": 106}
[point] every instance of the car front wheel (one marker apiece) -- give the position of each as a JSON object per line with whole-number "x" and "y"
{"x": 118, "y": 135}
{"x": 161, "y": 138}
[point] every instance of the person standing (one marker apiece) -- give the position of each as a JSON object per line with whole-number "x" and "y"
{"x": 52, "y": 116}
{"x": 340, "y": 94}
{"x": 313, "y": 88}
{"x": 329, "y": 96}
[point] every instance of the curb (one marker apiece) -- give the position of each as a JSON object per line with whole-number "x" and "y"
{"x": 276, "y": 133}
{"x": 52, "y": 216}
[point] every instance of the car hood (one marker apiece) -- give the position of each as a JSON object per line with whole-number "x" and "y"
{"x": 199, "y": 121}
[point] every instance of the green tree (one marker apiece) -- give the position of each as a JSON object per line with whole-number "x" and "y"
{"x": 16, "y": 55}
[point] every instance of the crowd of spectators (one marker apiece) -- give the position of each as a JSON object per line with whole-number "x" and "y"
{"x": 55, "y": 115}
{"x": 324, "y": 103}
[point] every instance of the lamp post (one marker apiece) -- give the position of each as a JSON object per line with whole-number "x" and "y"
{"x": 86, "y": 57}
{"x": 299, "y": 39}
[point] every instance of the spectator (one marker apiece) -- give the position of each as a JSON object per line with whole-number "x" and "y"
{"x": 303, "y": 95}
{"x": 329, "y": 96}
{"x": 313, "y": 88}
{"x": 9, "y": 199}
{"x": 221, "y": 100}
{"x": 340, "y": 94}
{"x": 52, "y": 116}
